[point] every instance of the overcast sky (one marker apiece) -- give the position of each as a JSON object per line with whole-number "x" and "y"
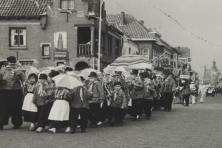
{"x": 201, "y": 17}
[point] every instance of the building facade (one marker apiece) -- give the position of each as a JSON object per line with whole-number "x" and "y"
{"x": 49, "y": 33}
{"x": 139, "y": 40}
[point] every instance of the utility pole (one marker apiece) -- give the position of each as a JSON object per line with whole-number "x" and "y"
{"x": 100, "y": 34}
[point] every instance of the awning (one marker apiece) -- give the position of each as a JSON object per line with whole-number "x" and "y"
{"x": 130, "y": 60}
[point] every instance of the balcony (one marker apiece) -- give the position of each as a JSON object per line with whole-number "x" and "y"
{"x": 84, "y": 50}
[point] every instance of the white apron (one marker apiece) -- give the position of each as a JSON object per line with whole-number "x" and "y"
{"x": 28, "y": 104}
{"x": 59, "y": 111}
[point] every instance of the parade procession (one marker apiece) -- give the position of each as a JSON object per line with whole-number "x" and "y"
{"x": 59, "y": 97}
{"x": 110, "y": 74}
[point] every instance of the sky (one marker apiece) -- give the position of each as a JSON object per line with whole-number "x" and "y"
{"x": 200, "y": 17}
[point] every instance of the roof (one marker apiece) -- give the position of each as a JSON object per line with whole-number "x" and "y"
{"x": 132, "y": 28}
{"x": 10, "y": 9}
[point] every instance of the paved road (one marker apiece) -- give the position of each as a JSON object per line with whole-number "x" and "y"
{"x": 197, "y": 126}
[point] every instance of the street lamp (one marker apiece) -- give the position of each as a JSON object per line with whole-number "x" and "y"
{"x": 100, "y": 35}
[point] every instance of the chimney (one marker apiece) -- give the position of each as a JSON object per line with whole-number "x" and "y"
{"x": 123, "y": 18}
{"x": 141, "y": 22}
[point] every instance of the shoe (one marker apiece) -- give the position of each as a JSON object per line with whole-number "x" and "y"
{"x": 68, "y": 130}
{"x": 39, "y": 130}
{"x": 32, "y": 127}
{"x": 47, "y": 128}
{"x": 99, "y": 123}
{"x": 52, "y": 130}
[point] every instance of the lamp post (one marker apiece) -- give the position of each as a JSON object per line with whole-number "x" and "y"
{"x": 100, "y": 35}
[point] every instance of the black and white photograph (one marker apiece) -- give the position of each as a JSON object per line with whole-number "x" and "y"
{"x": 110, "y": 74}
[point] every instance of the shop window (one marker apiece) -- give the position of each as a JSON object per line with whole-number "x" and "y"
{"x": 67, "y": 4}
{"x": 17, "y": 37}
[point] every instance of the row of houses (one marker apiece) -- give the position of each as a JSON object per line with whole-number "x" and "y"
{"x": 48, "y": 33}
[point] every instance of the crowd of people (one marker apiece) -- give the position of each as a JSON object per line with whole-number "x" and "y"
{"x": 103, "y": 98}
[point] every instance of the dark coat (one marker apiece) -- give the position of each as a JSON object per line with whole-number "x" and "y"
{"x": 11, "y": 78}
{"x": 120, "y": 101}
{"x": 78, "y": 101}
{"x": 45, "y": 97}
{"x": 97, "y": 91}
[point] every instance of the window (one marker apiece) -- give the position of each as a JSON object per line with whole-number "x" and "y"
{"x": 145, "y": 52}
{"x": 45, "y": 50}
{"x": 110, "y": 43}
{"x": 17, "y": 37}
{"x": 67, "y": 4}
{"x": 26, "y": 62}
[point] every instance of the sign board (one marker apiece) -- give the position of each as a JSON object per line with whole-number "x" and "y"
{"x": 61, "y": 54}
{"x": 185, "y": 76}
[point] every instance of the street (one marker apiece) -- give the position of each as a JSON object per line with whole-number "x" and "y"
{"x": 197, "y": 126}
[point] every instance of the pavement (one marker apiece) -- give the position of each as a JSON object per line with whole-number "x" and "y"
{"x": 197, "y": 126}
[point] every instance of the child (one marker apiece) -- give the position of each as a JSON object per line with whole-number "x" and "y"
{"x": 118, "y": 104}
{"x": 79, "y": 108}
{"x": 29, "y": 108}
{"x": 42, "y": 99}
{"x": 60, "y": 109}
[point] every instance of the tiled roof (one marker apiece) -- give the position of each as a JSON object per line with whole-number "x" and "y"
{"x": 132, "y": 28}
{"x": 22, "y": 8}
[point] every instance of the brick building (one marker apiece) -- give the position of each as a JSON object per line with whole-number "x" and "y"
{"x": 142, "y": 41}
{"x": 48, "y": 33}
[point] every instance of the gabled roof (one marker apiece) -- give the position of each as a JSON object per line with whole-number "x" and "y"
{"x": 132, "y": 28}
{"x": 10, "y": 9}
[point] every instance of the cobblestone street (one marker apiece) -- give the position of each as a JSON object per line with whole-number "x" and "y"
{"x": 186, "y": 127}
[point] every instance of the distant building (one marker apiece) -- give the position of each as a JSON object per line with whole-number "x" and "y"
{"x": 141, "y": 41}
{"x": 53, "y": 32}
{"x": 211, "y": 75}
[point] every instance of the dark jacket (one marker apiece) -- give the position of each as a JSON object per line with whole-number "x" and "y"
{"x": 149, "y": 89}
{"x": 138, "y": 89}
{"x": 119, "y": 99}
{"x": 80, "y": 97}
{"x": 96, "y": 91}
{"x": 169, "y": 85}
{"x": 61, "y": 93}
{"x": 43, "y": 94}
{"x": 11, "y": 79}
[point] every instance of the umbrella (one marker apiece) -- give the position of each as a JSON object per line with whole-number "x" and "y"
{"x": 85, "y": 72}
{"x": 141, "y": 66}
{"x": 67, "y": 81}
{"x": 46, "y": 70}
{"x": 73, "y": 73}
{"x": 28, "y": 69}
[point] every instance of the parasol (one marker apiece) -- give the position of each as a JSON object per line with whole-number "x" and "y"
{"x": 67, "y": 81}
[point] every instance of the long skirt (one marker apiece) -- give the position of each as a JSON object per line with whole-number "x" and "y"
{"x": 30, "y": 116}
{"x": 59, "y": 111}
{"x": 28, "y": 104}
